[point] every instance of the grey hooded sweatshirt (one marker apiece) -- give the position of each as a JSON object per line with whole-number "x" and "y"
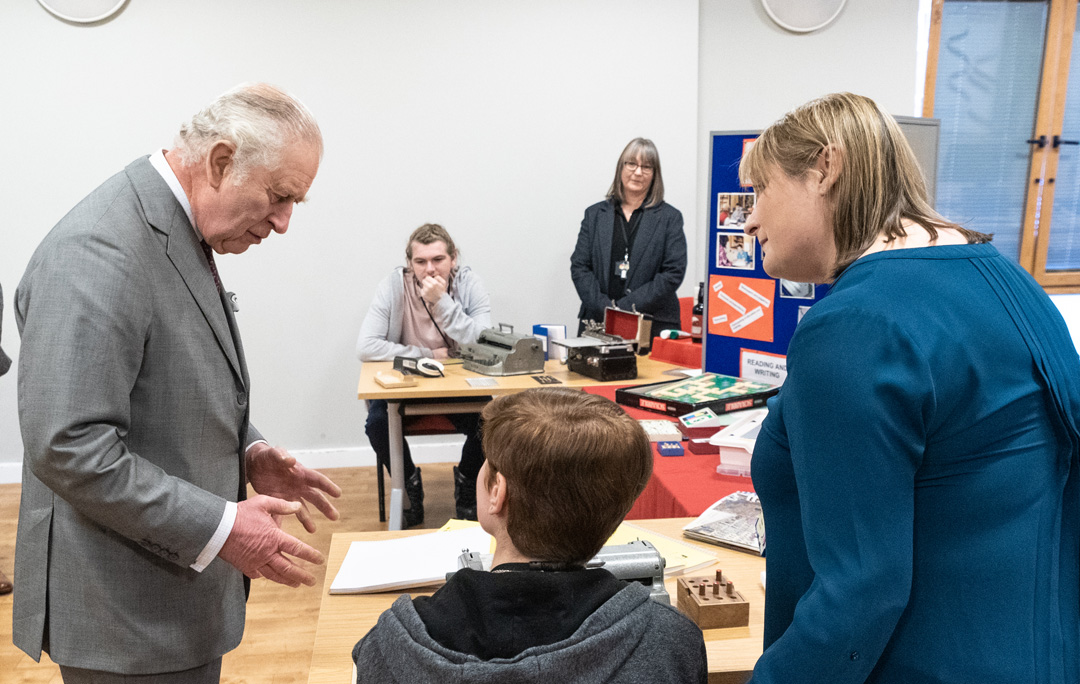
{"x": 629, "y": 639}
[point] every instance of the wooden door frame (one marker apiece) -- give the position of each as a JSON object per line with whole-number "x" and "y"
{"x": 1049, "y": 120}
{"x": 1061, "y": 27}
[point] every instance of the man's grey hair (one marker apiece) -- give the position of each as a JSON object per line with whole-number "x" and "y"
{"x": 260, "y": 119}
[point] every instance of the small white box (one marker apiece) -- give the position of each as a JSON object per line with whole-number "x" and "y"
{"x": 736, "y": 443}
{"x": 661, "y": 430}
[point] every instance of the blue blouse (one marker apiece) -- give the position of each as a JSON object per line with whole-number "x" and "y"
{"x": 918, "y": 474}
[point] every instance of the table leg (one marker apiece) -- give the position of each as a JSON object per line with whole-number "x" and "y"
{"x": 397, "y": 464}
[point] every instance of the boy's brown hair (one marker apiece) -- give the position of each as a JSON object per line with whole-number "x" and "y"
{"x": 574, "y": 465}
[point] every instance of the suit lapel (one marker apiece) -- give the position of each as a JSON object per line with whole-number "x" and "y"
{"x": 605, "y": 229}
{"x": 166, "y": 215}
{"x": 226, "y": 306}
{"x": 234, "y": 332}
{"x": 645, "y": 233}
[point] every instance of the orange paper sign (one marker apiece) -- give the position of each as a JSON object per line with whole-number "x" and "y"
{"x": 741, "y": 307}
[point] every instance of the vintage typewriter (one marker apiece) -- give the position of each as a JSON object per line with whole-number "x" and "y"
{"x": 503, "y": 352}
{"x": 601, "y": 356}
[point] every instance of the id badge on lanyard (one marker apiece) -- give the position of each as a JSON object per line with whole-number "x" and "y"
{"x": 623, "y": 267}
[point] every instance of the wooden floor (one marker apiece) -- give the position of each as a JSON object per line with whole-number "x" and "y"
{"x": 280, "y": 621}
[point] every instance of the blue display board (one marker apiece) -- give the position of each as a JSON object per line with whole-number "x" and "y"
{"x": 749, "y": 317}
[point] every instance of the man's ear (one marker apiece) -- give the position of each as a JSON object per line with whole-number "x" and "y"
{"x": 218, "y": 162}
{"x": 828, "y": 166}
{"x": 498, "y": 495}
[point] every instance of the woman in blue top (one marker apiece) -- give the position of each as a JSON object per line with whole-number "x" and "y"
{"x": 918, "y": 471}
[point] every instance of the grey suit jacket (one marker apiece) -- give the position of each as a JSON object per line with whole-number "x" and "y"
{"x": 133, "y": 405}
{"x": 657, "y": 263}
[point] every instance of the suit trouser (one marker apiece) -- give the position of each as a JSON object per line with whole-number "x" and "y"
{"x": 472, "y": 453}
{"x": 209, "y": 673}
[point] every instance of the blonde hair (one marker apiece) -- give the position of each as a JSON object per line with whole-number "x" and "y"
{"x": 644, "y": 148}
{"x": 879, "y": 183}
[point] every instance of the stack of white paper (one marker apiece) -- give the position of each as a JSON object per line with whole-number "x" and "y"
{"x": 414, "y": 561}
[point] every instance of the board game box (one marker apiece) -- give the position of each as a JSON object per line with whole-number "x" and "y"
{"x": 721, "y": 393}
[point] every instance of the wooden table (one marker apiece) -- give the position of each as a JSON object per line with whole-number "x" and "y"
{"x": 343, "y": 620}
{"x": 455, "y": 385}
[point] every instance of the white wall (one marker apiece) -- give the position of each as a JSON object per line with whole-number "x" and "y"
{"x": 501, "y": 120}
{"x": 1070, "y": 308}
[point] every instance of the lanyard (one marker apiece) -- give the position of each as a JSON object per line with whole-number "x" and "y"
{"x": 622, "y": 268}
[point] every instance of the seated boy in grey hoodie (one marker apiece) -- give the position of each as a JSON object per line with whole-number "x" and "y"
{"x": 563, "y": 468}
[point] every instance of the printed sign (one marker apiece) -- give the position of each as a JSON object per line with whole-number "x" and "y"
{"x": 741, "y": 307}
{"x": 762, "y": 366}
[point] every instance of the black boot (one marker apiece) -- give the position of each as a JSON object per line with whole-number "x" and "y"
{"x": 464, "y": 496}
{"x": 414, "y": 489}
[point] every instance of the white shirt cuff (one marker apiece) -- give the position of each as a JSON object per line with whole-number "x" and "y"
{"x": 224, "y": 528}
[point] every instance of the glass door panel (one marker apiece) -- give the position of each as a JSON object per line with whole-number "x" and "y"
{"x": 988, "y": 73}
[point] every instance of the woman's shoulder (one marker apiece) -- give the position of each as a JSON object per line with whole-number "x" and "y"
{"x": 603, "y": 205}
{"x": 881, "y": 313}
{"x": 665, "y": 210}
{"x": 841, "y": 304}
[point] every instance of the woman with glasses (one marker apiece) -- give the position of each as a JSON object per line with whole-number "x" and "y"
{"x": 631, "y": 251}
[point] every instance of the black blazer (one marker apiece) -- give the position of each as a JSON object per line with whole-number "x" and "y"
{"x": 657, "y": 263}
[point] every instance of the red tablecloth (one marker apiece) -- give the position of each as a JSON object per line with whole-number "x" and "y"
{"x": 681, "y": 486}
{"x": 682, "y": 352}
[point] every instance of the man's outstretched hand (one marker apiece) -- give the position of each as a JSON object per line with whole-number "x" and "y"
{"x": 273, "y": 471}
{"x": 257, "y": 546}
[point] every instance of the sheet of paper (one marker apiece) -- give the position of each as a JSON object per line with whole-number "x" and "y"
{"x": 681, "y": 557}
{"x": 683, "y": 372}
{"x": 455, "y": 524}
{"x": 415, "y": 561}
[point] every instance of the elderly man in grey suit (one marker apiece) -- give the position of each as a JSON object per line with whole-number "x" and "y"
{"x": 134, "y": 407}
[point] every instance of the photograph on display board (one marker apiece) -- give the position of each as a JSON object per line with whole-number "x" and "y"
{"x": 735, "y": 250}
{"x": 802, "y": 312}
{"x": 733, "y": 208}
{"x": 789, "y": 289}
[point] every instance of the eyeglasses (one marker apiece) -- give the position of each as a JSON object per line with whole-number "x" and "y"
{"x": 633, "y": 166}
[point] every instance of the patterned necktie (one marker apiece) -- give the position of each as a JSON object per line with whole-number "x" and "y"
{"x": 209, "y": 252}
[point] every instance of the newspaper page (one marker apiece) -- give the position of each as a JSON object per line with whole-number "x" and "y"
{"x": 734, "y": 521}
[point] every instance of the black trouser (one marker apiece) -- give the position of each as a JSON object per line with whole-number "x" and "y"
{"x": 472, "y": 454}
